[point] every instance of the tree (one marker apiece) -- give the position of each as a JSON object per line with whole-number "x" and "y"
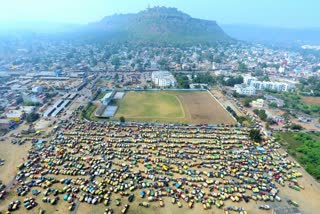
{"x": 182, "y": 80}
{"x": 264, "y": 78}
{"x": 115, "y": 61}
{"x": 257, "y": 73}
{"x": 19, "y": 100}
{"x": 122, "y": 119}
{"x": 273, "y": 105}
{"x": 262, "y": 114}
{"x": 295, "y": 126}
{"x": 32, "y": 117}
{"x": 163, "y": 64}
{"x": 255, "y": 135}
{"x": 242, "y": 67}
{"x": 204, "y": 78}
{"x": 267, "y": 126}
{"x": 247, "y": 102}
{"x": 231, "y": 81}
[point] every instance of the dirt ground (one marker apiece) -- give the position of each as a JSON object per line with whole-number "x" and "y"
{"x": 311, "y": 100}
{"x": 307, "y": 125}
{"x": 202, "y": 108}
{"x": 308, "y": 198}
{"x": 13, "y": 155}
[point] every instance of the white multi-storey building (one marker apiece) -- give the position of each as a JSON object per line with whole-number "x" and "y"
{"x": 278, "y": 86}
{"x": 245, "y": 89}
{"x": 163, "y": 78}
{"x": 261, "y": 85}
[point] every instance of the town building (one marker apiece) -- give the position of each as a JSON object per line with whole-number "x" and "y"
{"x": 244, "y": 89}
{"x": 272, "y": 99}
{"x": 277, "y": 86}
{"x": 163, "y": 78}
{"x": 15, "y": 115}
{"x": 107, "y": 98}
{"x": 29, "y": 97}
{"x": 37, "y": 89}
{"x": 261, "y": 85}
{"x": 6, "y": 124}
{"x": 257, "y": 103}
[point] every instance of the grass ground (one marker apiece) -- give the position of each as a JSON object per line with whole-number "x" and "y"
{"x": 197, "y": 107}
{"x": 89, "y": 113}
{"x": 152, "y": 106}
{"x": 305, "y": 148}
{"x": 101, "y": 95}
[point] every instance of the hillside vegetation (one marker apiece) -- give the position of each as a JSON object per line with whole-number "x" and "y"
{"x": 160, "y": 24}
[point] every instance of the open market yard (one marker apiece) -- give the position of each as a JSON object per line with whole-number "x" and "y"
{"x": 212, "y": 169}
{"x": 311, "y": 100}
{"x": 197, "y": 107}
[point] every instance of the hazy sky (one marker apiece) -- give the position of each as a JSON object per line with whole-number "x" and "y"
{"x": 280, "y": 13}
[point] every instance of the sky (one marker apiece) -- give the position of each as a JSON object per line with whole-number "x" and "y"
{"x": 274, "y": 13}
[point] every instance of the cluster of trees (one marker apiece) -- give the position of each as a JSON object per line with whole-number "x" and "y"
{"x": 273, "y": 105}
{"x": 242, "y": 67}
{"x": 257, "y": 73}
{"x": 49, "y": 95}
{"x": 122, "y": 119}
{"x": 311, "y": 86}
{"x": 308, "y": 152}
{"x": 264, "y": 78}
{"x": 164, "y": 64}
{"x": 30, "y": 103}
{"x": 294, "y": 126}
{"x": 231, "y": 81}
{"x": 241, "y": 119}
{"x": 293, "y": 101}
{"x": 182, "y": 80}
{"x": 255, "y": 135}
{"x": 246, "y": 102}
{"x": 261, "y": 114}
{"x": 204, "y": 78}
{"x": 115, "y": 61}
{"x": 229, "y": 109}
{"x": 32, "y": 117}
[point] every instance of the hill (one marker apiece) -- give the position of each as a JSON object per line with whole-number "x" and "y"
{"x": 159, "y": 24}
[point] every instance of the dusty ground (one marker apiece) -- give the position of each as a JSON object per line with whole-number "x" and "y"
{"x": 307, "y": 125}
{"x": 13, "y": 155}
{"x": 311, "y": 100}
{"x": 202, "y": 108}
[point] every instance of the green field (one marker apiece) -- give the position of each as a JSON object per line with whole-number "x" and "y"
{"x": 305, "y": 148}
{"x": 160, "y": 106}
{"x": 88, "y": 113}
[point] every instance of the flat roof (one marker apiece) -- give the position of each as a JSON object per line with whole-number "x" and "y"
{"x": 119, "y": 95}
{"x": 110, "y": 111}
